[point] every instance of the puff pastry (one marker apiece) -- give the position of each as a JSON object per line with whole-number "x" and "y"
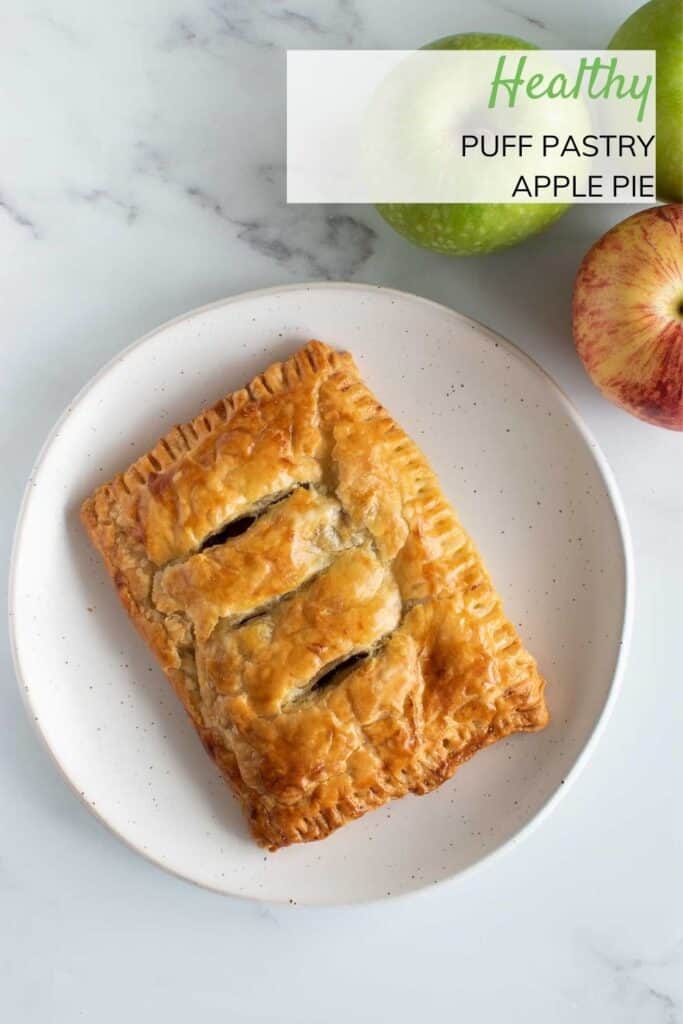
{"x": 319, "y": 610}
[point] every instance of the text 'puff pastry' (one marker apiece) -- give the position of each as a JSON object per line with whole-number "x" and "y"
{"x": 309, "y": 592}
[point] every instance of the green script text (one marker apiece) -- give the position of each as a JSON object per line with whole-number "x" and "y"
{"x": 600, "y": 80}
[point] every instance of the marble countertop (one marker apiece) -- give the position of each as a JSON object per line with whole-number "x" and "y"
{"x": 142, "y": 175}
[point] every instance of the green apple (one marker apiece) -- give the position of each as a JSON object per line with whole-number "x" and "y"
{"x": 462, "y": 229}
{"x": 659, "y": 26}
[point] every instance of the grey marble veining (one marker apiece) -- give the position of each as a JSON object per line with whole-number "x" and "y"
{"x": 268, "y": 23}
{"x": 16, "y": 215}
{"x": 142, "y": 174}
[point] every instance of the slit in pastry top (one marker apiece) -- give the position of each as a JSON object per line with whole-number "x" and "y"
{"x": 279, "y": 657}
{"x": 294, "y": 540}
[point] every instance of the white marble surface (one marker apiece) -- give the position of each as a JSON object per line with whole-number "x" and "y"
{"x": 141, "y": 174}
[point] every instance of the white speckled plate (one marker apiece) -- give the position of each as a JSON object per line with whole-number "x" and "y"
{"x": 527, "y": 480}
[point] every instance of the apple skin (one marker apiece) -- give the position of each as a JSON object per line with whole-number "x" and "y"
{"x": 465, "y": 229}
{"x": 659, "y": 26}
{"x": 628, "y": 315}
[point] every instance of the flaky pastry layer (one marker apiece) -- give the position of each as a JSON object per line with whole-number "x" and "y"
{"x": 309, "y": 592}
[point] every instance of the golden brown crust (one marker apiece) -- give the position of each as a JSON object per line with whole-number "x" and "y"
{"x": 355, "y": 552}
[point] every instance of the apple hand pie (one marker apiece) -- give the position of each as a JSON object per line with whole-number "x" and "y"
{"x": 321, "y": 613}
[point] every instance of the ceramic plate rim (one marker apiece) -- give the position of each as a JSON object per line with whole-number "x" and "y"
{"x": 602, "y": 466}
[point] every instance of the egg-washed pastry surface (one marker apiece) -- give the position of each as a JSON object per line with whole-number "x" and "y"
{"x": 309, "y": 592}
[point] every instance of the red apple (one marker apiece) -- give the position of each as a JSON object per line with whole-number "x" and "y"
{"x": 628, "y": 315}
